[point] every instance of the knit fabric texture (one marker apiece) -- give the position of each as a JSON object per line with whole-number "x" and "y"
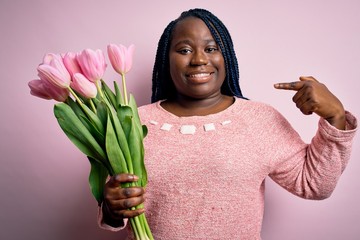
{"x": 206, "y": 174}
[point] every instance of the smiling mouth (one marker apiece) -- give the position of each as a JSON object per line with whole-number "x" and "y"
{"x": 199, "y": 77}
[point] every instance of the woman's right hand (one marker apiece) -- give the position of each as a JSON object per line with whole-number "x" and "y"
{"x": 118, "y": 201}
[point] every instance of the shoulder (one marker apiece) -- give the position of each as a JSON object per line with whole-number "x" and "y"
{"x": 149, "y": 110}
{"x": 255, "y": 108}
{"x": 146, "y": 107}
{"x": 255, "y": 113}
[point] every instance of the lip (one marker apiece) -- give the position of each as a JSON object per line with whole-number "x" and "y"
{"x": 199, "y": 77}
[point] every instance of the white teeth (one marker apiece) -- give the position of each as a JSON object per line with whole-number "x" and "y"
{"x": 199, "y": 75}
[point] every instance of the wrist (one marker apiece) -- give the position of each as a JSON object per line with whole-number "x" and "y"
{"x": 109, "y": 219}
{"x": 338, "y": 121}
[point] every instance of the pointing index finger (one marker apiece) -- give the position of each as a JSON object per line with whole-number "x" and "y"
{"x": 289, "y": 86}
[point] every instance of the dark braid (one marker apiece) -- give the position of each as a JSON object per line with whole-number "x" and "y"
{"x": 162, "y": 84}
{"x": 163, "y": 87}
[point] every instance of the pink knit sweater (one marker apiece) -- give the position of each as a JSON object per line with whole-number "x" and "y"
{"x": 207, "y": 173}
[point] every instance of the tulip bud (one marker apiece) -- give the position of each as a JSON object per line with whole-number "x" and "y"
{"x": 121, "y": 58}
{"x": 92, "y": 64}
{"x": 54, "y": 71}
{"x": 83, "y": 86}
{"x": 38, "y": 89}
{"x": 53, "y": 76}
{"x": 58, "y": 94}
{"x": 56, "y": 61}
{"x": 71, "y": 63}
{"x": 45, "y": 90}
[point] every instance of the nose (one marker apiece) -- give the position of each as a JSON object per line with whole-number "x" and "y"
{"x": 199, "y": 58}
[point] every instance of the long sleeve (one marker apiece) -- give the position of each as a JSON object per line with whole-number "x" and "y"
{"x": 103, "y": 225}
{"x": 312, "y": 170}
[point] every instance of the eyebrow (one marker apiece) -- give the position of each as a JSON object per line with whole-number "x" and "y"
{"x": 186, "y": 41}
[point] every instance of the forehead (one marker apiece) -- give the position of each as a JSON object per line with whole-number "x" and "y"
{"x": 191, "y": 27}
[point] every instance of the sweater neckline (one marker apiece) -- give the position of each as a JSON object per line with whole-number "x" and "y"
{"x": 198, "y": 117}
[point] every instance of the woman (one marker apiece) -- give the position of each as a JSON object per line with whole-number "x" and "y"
{"x": 209, "y": 149}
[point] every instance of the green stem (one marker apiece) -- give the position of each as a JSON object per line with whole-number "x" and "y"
{"x": 146, "y": 226}
{"x": 92, "y": 105}
{"x": 134, "y": 229}
{"x": 75, "y": 96}
{"x": 142, "y": 225}
{"x": 138, "y": 228}
{"x": 98, "y": 87}
{"x": 124, "y": 89}
{"x": 80, "y": 102}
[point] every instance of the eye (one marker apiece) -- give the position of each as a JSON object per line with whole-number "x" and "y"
{"x": 184, "y": 51}
{"x": 211, "y": 49}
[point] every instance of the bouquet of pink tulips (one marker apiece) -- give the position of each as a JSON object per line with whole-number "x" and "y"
{"x": 102, "y": 123}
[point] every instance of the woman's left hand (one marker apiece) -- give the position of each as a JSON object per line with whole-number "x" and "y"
{"x": 313, "y": 96}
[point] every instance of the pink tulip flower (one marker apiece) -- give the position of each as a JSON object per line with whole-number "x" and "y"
{"x": 83, "y": 86}
{"x": 38, "y": 89}
{"x": 43, "y": 89}
{"x": 58, "y": 94}
{"x": 71, "y": 63}
{"x": 54, "y": 71}
{"x": 121, "y": 58}
{"x": 92, "y": 64}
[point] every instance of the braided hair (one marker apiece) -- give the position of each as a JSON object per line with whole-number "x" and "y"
{"x": 162, "y": 85}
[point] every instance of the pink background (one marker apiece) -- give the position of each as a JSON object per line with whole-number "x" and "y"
{"x": 43, "y": 177}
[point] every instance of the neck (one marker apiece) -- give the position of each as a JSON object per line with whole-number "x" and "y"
{"x": 197, "y": 104}
{"x": 183, "y": 106}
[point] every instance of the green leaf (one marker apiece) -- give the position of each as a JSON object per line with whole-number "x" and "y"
{"x": 78, "y": 111}
{"x": 124, "y": 114}
{"x": 122, "y": 140}
{"x": 77, "y": 132}
{"x": 100, "y": 137}
{"x": 97, "y": 179}
{"x": 96, "y": 100}
{"x": 119, "y": 98}
{"x": 109, "y": 93}
{"x": 94, "y": 119}
{"x": 144, "y": 130}
{"x": 93, "y": 129}
{"x": 133, "y": 105}
{"x": 113, "y": 150}
{"x": 102, "y": 111}
{"x": 137, "y": 153}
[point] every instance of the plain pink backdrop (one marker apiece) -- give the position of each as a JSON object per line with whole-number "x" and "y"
{"x": 43, "y": 177}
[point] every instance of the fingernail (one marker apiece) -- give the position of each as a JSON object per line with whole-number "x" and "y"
{"x": 135, "y": 178}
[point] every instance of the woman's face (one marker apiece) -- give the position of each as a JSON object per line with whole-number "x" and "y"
{"x": 197, "y": 65}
